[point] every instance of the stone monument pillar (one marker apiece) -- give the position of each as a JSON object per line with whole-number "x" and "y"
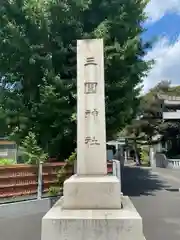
{"x": 91, "y": 187}
{"x": 91, "y": 208}
{"x": 91, "y": 135}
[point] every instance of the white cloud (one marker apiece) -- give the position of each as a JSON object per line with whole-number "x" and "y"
{"x": 167, "y": 63}
{"x": 156, "y": 9}
{"x": 165, "y": 54}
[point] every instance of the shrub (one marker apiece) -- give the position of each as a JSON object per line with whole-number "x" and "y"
{"x": 6, "y": 161}
{"x": 62, "y": 173}
{"x": 31, "y": 152}
{"x": 54, "y": 191}
{"x": 144, "y": 154}
{"x": 69, "y": 163}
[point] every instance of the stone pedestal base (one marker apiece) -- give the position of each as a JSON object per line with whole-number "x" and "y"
{"x": 92, "y": 192}
{"x": 121, "y": 224}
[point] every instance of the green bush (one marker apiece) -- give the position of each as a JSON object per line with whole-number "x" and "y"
{"x": 69, "y": 163}
{"x": 62, "y": 174}
{"x": 31, "y": 153}
{"x": 72, "y": 158}
{"x": 54, "y": 191}
{"x": 144, "y": 155}
{"x": 6, "y": 161}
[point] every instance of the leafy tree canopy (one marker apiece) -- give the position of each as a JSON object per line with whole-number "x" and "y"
{"x": 38, "y": 65}
{"x": 150, "y": 122}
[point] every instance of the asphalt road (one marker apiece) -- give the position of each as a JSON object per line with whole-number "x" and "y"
{"x": 156, "y": 196}
{"x": 21, "y": 228}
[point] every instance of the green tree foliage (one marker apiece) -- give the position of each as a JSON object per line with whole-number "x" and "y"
{"x": 6, "y": 161}
{"x": 38, "y": 65}
{"x": 31, "y": 152}
{"x": 150, "y": 120}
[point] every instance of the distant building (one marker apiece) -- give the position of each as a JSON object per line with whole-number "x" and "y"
{"x": 170, "y": 107}
{"x": 8, "y": 149}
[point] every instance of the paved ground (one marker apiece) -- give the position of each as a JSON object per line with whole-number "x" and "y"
{"x": 22, "y": 220}
{"x": 157, "y": 199}
{"x": 21, "y": 198}
{"x": 169, "y": 174}
{"x": 21, "y": 228}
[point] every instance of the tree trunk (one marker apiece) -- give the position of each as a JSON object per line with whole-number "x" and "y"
{"x": 136, "y": 153}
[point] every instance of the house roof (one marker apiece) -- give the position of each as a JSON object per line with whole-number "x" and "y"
{"x": 167, "y": 97}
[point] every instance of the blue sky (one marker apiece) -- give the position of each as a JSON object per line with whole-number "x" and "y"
{"x": 167, "y": 26}
{"x": 164, "y": 24}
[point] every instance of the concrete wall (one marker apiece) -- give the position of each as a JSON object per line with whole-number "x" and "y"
{"x": 163, "y": 162}
{"x": 174, "y": 163}
{"x": 22, "y": 220}
{"x": 158, "y": 147}
{"x": 171, "y": 115}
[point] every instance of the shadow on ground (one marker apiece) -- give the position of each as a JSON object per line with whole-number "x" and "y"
{"x": 141, "y": 181}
